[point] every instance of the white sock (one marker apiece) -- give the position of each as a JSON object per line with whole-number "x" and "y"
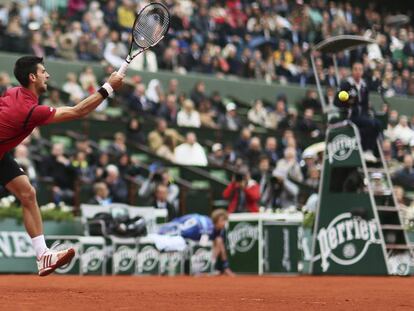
{"x": 39, "y": 245}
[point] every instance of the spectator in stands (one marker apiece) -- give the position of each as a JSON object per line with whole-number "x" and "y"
{"x": 312, "y": 178}
{"x": 230, "y": 121}
{"x": 160, "y": 176}
{"x": 115, "y": 50}
{"x": 198, "y": 94}
{"x": 155, "y": 92}
{"x": 138, "y": 101}
{"x": 288, "y": 167}
{"x": 284, "y": 192}
{"x": 243, "y": 194}
{"x": 169, "y": 109}
{"x": 402, "y": 131}
{"x": 190, "y": 152}
{"x": 72, "y": 87}
{"x": 101, "y": 195}
{"x": 242, "y": 144}
{"x": 277, "y": 115}
{"x": 263, "y": 178}
{"x": 88, "y": 80}
{"x": 54, "y": 100}
{"x": 84, "y": 171}
{"x": 253, "y": 154}
{"x": 258, "y": 114}
{"x": 118, "y": 147}
{"x": 32, "y": 13}
{"x": 309, "y": 159}
{"x": 58, "y": 166}
{"x": 156, "y": 138}
{"x": 161, "y": 202}
{"x": 270, "y": 150}
{"x": 134, "y": 132}
{"x": 217, "y": 157}
{"x": 118, "y": 188}
{"x": 188, "y": 116}
{"x": 307, "y": 126}
{"x": 207, "y": 114}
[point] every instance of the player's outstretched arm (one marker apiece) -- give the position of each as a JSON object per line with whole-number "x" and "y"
{"x": 89, "y": 104}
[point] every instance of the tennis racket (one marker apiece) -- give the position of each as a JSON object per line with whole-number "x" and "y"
{"x": 150, "y": 27}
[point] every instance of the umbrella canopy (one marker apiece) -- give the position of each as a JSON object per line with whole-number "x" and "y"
{"x": 341, "y": 43}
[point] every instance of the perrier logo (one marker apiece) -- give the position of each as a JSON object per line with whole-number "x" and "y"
{"x": 346, "y": 240}
{"x": 147, "y": 259}
{"x": 242, "y": 238}
{"x": 341, "y": 147}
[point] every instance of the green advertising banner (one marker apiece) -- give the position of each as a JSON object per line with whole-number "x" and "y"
{"x": 65, "y": 242}
{"x": 172, "y": 263}
{"x": 347, "y": 237}
{"x": 281, "y": 251}
{"x": 148, "y": 258}
{"x": 92, "y": 255}
{"x": 243, "y": 246}
{"x": 201, "y": 258}
{"x": 123, "y": 255}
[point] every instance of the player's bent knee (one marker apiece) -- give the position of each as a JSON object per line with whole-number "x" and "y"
{"x": 27, "y": 195}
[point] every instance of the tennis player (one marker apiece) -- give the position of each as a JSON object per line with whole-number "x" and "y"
{"x": 20, "y": 113}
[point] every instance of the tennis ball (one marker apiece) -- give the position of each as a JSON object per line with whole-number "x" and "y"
{"x": 343, "y": 96}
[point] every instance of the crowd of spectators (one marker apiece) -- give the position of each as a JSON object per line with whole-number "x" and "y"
{"x": 264, "y": 39}
{"x": 274, "y": 168}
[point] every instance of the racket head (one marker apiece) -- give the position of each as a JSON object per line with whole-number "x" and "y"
{"x": 151, "y": 25}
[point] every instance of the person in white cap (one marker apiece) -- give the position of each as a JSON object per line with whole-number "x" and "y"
{"x": 230, "y": 121}
{"x": 217, "y": 156}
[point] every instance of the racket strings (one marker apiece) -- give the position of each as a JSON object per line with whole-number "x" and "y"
{"x": 151, "y": 25}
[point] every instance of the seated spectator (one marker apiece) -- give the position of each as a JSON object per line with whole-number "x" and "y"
{"x": 145, "y": 61}
{"x": 277, "y": 115}
{"x": 154, "y": 92}
{"x": 160, "y": 176}
{"x": 312, "y": 178}
{"x": 83, "y": 169}
{"x": 263, "y": 178}
{"x": 138, "y": 101}
{"x": 242, "y": 144}
{"x": 190, "y": 152}
{"x": 243, "y": 194}
{"x": 168, "y": 110}
{"x": 118, "y": 189}
{"x": 58, "y": 166}
{"x": 161, "y": 202}
{"x": 307, "y": 126}
{"x": 118, "y": 147}
{"x": 198, "y": 94}
{"x": 72, "y": 87}
{"x": 258, "y": 113}
{"x": 253, "y": 154}
{"x": 403, "y": 132}
{"x": 230, "y": 121}
{"x": 207, "y": 114}
{"x": 217, "y": 157}
{"x": 53, "y": 100}
{"x": 270, "y": 150}
{"x": 405, "y": 176}
{"x": 134, "y": 132}
{"x": 157, "y": 137}
{"x": 115, "y": 51}
{"x": 284, "y": 193}
{"x": 188, "y": 116}
{"x": 101, "y": 195}
{"x": 88, "y": 80}
{"x": 167, "y": 149}
{"x": 288, "y": 166}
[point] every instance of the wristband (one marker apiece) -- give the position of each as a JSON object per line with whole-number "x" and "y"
{"x": 105, "y": 90}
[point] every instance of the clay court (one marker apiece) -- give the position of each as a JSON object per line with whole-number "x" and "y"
{"x": 205, "y": 293}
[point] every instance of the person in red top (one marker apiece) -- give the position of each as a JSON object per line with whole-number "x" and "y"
{"x": 20, "y": 113}
{"x": 243, "y": 194}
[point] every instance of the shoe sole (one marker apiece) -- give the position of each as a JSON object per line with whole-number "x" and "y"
{"x": 61, "y": 262}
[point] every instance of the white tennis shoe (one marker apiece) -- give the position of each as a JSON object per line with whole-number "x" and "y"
{"x": 53, "y": 259}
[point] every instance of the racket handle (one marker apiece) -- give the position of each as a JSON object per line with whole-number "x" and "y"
{"x": 123, "y": 68}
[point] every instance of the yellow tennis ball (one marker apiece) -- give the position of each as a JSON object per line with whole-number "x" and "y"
{"x": 343, "y": 96}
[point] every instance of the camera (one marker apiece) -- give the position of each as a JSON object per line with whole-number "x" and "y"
{"x": 157, "y": 177}
{"x": 238, "y": 177}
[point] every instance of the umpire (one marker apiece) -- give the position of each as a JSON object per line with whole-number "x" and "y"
{"x": 358, "y": 105}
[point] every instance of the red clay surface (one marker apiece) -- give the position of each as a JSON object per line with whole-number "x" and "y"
{"x": 205, "y": 293}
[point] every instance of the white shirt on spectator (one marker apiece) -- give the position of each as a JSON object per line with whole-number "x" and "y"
{"x": 35, "y": 13}
{"x": 404, "y": 133}
{"x": 190, "y": 120}
{"x": 186, "y": 154}
{"x": 74, "y": 90}
{"x": 115, "y": 53}
{"x": 148, "y": 57}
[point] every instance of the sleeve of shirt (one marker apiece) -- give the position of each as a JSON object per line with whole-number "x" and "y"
{"x": 41, "y": 115}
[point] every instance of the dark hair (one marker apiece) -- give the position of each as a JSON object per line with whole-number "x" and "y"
{"x": 24, "y": 66}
